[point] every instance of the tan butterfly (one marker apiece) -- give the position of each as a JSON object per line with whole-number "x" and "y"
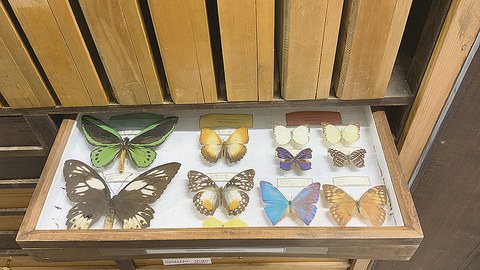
{"x": 340, "y": 159}
{"x": 349, "y": 134}
{"x": 213, "y": 147}
{"x": 344, "y": 206}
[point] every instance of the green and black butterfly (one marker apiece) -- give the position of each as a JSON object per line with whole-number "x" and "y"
{"x": 110, "y": 143}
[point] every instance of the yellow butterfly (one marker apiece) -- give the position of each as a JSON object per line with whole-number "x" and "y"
{"x": 213, "y": 222}
{"x": 344, "y": 206}
{"x": 349, "y": 134}
{"x": 213, "y": 147}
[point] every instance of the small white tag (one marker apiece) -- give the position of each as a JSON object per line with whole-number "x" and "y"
{"x": 225, "y": 131}
{"x": 120, "y": 177}
{"x": 351, "y": 181}
{"x": 187, "y": 261}
{"x": 221, "y": 176}
{"x": 294, "y": 182}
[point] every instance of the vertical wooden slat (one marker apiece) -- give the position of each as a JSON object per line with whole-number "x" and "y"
{"x": 369, "y": 45}
{"x": 112, "y": 36}
{"x": 329, "y": 47}
{"x": 73, "y": 37}
{"x": 238, "y": 33}
{"x": 265, "y": 48}
{"x": 300, "y": 41}
{"x": 143, "y": 51}
{"x": 457, "y": 36}
{"x": 44, "y": 129}
{"x": 183, "y": 37}
{"x": 31, "y": 90}
{"x": 54, "y": 53}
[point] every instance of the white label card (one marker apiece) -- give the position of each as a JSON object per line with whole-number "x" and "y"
{"x": 294, "y": 182}
{"x": 120, "y": 177}
{"x": 225, "y": 131}
{"x": 351, "y": 181}
{"x": 221, "y": 176}
{"x": 180, "y": 261}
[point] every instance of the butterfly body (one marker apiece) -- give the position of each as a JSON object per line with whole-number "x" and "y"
{"x": 370, "y": 205}
{"x": 138, "y": 149}
{"x": 233, "y": 149}
{"x": 93, "y": 199}
{"x": 340, "y": 159}
{"x": 210, "y": 196}
{"x": 277, "y": 206}
{"x": 301, "y": 160}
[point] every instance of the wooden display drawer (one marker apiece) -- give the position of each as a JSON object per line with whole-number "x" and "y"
{"x": 176, "y": 229}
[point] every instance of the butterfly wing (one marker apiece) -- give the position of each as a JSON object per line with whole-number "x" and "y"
{"x": 343, "y": 205}
{"x": 303, "y": 205}
{"x": 351, "y": 133}
{"x": 85, "y": 187}
{"x": 208, "y": 197}
{"x": 99, "y": 133}
{"x": 142, "y": 156}
{"x": 234, "y": 198}
{"x": 235, "y": 147}
{"x": 212, "y": 222}
{"x": 288, "y": 159}
{"x": 156, "y": 133}
{"x": 339, "y": 158}
{"x": 371, "y": 205}
{"x": 357, "y": 158}
{"x": 282, "y": 134}
{"x": 276, "y": 205}
{"x": 302, "y": 159}
{"x": 235, "y": 222}
{"x": 301, "y": 134}
{"x": 331, "y": 133}
{"x": 212, "y": 145}
{"x": 131, "y": 204}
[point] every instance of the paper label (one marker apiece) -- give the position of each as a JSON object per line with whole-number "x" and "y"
{"x": 225, "y": 131}
{"x": 120, "y": 177}
{"x": 216, "y": 250}
{"x": 294, "y": 182}
{"x": 351, "y": 181}
{"x": 313, "y": 118}
{"x": 180, "y": 261}
{"x": 221, "y": 176}
{"x": 226, "y": 120}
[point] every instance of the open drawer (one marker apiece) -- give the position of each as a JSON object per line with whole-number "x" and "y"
{"x": 176, "y": 230}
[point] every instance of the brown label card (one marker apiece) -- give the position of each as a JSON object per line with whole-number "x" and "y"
{"x": 313, "y": 118}
{"x": 226, "y": 120}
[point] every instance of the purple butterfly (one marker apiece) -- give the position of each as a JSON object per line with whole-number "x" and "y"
{"x": 301, "y": 160}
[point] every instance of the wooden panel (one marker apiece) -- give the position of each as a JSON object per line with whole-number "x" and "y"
{"x": 111, "y": 28}
{"x": 446, "y": 188}
{"x": 16, "y": 132}
{"x": 329, "y": 47}
{"x": 21, "y": 84}
{"x": 26, "y": 262}
{"x": 15, "y": 198}
{"x": 184, "y": 40}
{"x": 300, "y": 41}
{"x": 238, "y": 31}
{"x": 44, "y": 34}
{"x": 44, "y": 129}
{"x": 265, "y": 48}
{"x": 368, "y": 47}
{"x": 10, "y": 222}
{"x": 78, "y": 49}
{"x": 456, "y": 38}
{"x": 21, "y": 167}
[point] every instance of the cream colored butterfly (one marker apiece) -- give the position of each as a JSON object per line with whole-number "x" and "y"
{"x": 343, "y": 206}
{"x": 349, "y": 134}
{"x": 284, "y": 135}
{"x": 213, "y": 222}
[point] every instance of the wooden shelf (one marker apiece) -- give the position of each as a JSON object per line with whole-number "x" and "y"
{"x": 398, "y": 94}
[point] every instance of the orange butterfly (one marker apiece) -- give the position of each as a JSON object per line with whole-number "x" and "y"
{"x": 344, "y": 206}
{"x": 213, "y": 147}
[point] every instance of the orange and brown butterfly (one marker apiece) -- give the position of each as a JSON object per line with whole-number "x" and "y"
{"x": 233, "y": 149}
{"x": 371, "y": 204}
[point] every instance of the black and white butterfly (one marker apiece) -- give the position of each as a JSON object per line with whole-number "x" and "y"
{"x": 232, "y": 196}
{"x": 340, "y": 159}
{"x": 131, "y": 205}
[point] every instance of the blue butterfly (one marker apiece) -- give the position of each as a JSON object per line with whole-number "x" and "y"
{"x": 277, "y": 206}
